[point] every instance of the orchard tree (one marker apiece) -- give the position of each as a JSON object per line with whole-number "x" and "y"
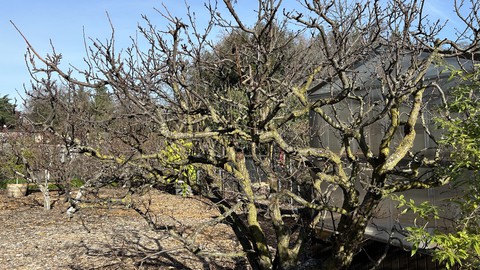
{"x": 187, "y": 103}
{"x": 43, "y": 146}
{"x": 37, "y": 159}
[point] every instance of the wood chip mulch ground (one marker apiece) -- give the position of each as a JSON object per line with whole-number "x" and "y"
{"x": 109, "y": 236}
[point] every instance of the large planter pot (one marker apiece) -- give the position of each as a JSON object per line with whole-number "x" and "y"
{"x": 17, "y": 190}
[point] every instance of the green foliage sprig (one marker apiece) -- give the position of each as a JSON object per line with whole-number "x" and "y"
{"x": 461, "y": 126}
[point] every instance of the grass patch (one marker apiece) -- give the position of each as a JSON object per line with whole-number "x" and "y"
{"x": 74, "y": 183}
{"x": 51, "y": 187}
{"x": 77, "y": 183}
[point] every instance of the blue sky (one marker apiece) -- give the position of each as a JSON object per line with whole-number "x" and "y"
{"x": 63, "y": 21}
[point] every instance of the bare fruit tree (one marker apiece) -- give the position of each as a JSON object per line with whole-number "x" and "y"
{"x": 238, "y": 120}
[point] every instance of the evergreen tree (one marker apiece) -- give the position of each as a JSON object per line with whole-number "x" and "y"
{"x": 8, "y": 116}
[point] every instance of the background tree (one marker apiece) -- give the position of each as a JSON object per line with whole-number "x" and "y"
{"x": 250, "y": 103}
{"x": 10, "y": 164}
{"x": 8, "y": 115}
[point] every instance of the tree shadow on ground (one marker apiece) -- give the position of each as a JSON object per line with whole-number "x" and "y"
{"x": 135, "y": 250}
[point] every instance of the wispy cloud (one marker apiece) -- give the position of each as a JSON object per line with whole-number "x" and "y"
{"x": 442, "y": 10}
